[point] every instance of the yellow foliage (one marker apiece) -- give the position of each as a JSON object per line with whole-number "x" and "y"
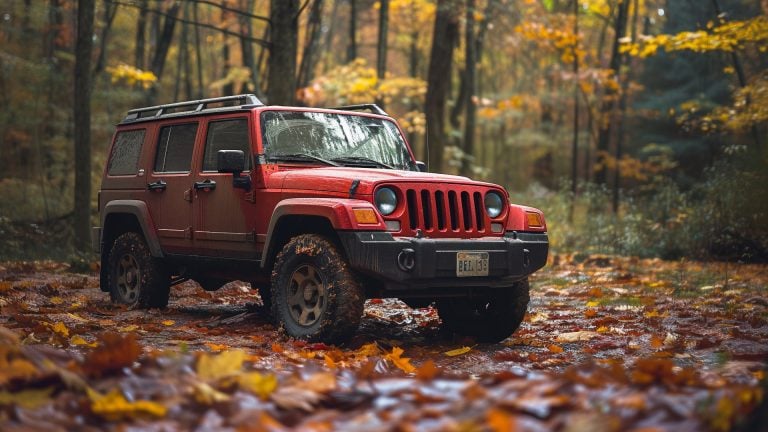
{"x": 131, "y": 75}
{"x": 727, "y": 36}
{"x": 114, "y": 406}
{"x": 31, "y": 398}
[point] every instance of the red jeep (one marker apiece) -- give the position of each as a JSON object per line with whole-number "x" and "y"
{"x": 318, "y": 208}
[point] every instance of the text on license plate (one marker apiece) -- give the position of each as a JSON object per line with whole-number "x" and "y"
{"x": 471, "y": 264}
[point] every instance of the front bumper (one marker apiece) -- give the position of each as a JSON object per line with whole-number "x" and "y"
{"x": 511, "y": 258}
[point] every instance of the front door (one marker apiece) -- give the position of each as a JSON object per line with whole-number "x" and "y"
{"x": 169, "y": 185}
{"x": 223, "y": 218}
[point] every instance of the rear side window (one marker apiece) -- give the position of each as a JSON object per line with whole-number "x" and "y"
{"x": 125, "y": 153}
{"x": 226, "y": 135}
{"x": 174, "y": 148}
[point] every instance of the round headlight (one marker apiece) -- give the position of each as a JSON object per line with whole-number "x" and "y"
{"x": 494, "y": 204}
{"x": 386, "y": 200}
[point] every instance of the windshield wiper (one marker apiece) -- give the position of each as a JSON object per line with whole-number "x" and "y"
{"x": 301, "y": 157}
{"x": 362, "y": 161}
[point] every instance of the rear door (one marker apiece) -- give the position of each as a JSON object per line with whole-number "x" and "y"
{"x": 224, "y": 223}
{"x": 169, "y": 185}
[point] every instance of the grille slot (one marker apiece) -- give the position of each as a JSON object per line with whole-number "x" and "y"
{"x": 445, "y": 212}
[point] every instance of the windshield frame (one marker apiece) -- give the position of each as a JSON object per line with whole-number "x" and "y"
{"x": 409, "y": 161}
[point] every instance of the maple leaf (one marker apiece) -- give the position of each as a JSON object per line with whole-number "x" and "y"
{"x": 402, "y": 363}
{"x": 114, "y": 406}
{"x": 213, "y": 367}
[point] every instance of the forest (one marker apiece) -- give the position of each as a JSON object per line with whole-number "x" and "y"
{"x": 639, "y": 128}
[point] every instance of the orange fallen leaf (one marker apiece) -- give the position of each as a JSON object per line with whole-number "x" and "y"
{"x": 216, "y": 347}
{"x": 402, "y": 363}
{"x": 500, "y": 421}
{"x": 329, "y": 362}
{"x": 276, "y": 347}
{"x": 427, "y": 371}
{"x": 168, "y": 322}
{"x": 557, "y": 349}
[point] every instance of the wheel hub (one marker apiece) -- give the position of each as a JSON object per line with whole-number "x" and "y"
{"x": 306, "y": 295}
{"x": 128, "y": 281}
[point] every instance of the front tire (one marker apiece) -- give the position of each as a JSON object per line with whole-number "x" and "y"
{"x": 315, "y": 296}
{"x": 489, "y": 318}
{"x": 135, "y": 277}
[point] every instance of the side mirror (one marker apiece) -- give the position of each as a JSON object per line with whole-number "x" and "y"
{"x": 421, "y": 166}
{"x": 233, "y": 161}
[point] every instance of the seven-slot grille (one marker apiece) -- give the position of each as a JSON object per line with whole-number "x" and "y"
{"x": 448, "y": 211}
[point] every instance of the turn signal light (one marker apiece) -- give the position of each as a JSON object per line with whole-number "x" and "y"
{"x": 533, "y": 220}
{"x": 365, "y": 216}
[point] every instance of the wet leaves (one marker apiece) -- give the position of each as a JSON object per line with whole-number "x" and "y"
{"x": 609, "y": 344}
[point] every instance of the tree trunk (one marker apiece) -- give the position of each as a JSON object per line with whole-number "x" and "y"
{"x": 381, "y": 48}
{"x": 311, "y": 44}
{"x": 246, "y": 46}
{"x": 283, "y": 15}
{"x": 162, "y": 45}
{"x": 575, "y": 137}
{"x": 444, "y": 39}
{"x": 352, "y": 47}
{"x": 608, "y": 104}
{"x": 198, "y": 56}
{"x": 82, "y": 113}
{"x": 141, "y": 31}
{"x": 469, "y": 76}
{"x": 110, "y": 10}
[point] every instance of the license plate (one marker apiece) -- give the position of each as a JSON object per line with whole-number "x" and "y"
{"x": 471, "y": 264}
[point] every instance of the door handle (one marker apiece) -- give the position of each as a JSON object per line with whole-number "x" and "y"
{"x": 158, "y": 185}
{"x": 206, "y": 184}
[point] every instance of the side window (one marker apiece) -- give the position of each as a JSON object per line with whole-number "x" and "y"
{"x": 125, "y": 153}
{"x": 226, "y": 135}
{"x": 174, "y": 148}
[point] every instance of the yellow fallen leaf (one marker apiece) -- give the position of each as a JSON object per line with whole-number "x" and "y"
{"x": 60, "y": 329}
{"x": 30, "y": 399}
{"x": 402, "y": 363}
{"x": 213, "y": 367}
{"x": 259, "y": 384}
{"x": 368, "y": 350}
{"x": 114, "y": 406}
{"x": 78, "y": 340}
{"x": 128, "y": 328}
{"x": 652, "y": 314}
{"x": 207, "y": 395}
{"x": 57, "y": 300}
{"x": 16, "y": 369}
{"x": 169, "y": 322}
{"x": 603, "y": 329}
{"x": 329, "y": 362}
{"x": 458, "y": 351}
{"x": 75, "y": 316}
{"x": 576, "y": 336}
{"x": 593, "y": 303}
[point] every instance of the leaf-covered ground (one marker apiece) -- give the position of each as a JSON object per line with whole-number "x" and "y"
{"x": 608, "y": 344}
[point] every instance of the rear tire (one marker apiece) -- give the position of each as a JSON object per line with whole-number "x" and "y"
{"x": 314, "y": 294}
{"x": 135, "y": 277}
{"x": 491, "y": 318}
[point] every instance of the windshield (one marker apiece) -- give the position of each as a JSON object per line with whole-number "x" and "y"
{"x": 337, "y": 139}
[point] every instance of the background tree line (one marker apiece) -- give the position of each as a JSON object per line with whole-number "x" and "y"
{"x": 638, "y": 125}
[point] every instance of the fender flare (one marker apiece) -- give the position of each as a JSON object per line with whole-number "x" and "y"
{"x": 139, "y": 210}
{"x": 338, "y": 212}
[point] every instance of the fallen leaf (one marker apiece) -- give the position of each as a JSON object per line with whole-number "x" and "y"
{"x": 402, "y": 363}
{"x": 60, "y": 329}
{"x": 114, "y": 352}
{"x": 213, "y": 367}
{"x": 329, "y": 362}
{"x": 168, "y": 322}
{"x": 31, "y": 398}
{"x": 293, "y": 397}
{"x": 427, "y": 371}
{"x": 458, "y": 351}
{"x": 216, "y": 347}
{"x": 576, "y": 336}
{"x": 78, "y": 340}
{"x": 500, "y": 421}
{"x": 322, "y": 382}
{"x": 259, "y": 384}
{"x": 556, "y": 349}
{"x": 207, "y": 395}
{"x": 57, "y": 300}
{"x": 114, "y": 406}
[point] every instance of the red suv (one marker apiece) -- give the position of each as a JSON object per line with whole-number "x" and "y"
{"x": 317, "y": 208}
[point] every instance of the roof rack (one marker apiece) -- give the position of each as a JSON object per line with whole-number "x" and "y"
{"x": 230, "y": 103}
{"x": 361, "y": 107}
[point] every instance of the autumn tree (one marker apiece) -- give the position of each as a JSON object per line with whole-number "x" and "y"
{"x": 283, "y": 16}
{"x": 82, "y": 119}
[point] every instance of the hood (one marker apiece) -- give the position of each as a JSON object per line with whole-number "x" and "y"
{"x": 337, "y": 179}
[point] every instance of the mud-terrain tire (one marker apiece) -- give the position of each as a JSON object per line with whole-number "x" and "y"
{"x": 134, "y": 277}
{"x": 492, "y": 318}
{"x": 315, "y": 296}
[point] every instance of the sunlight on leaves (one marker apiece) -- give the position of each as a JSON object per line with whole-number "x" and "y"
{"x": 402, "y": 363}
{"x": 114, "y": 406}
{"x": 213, "y": 367}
